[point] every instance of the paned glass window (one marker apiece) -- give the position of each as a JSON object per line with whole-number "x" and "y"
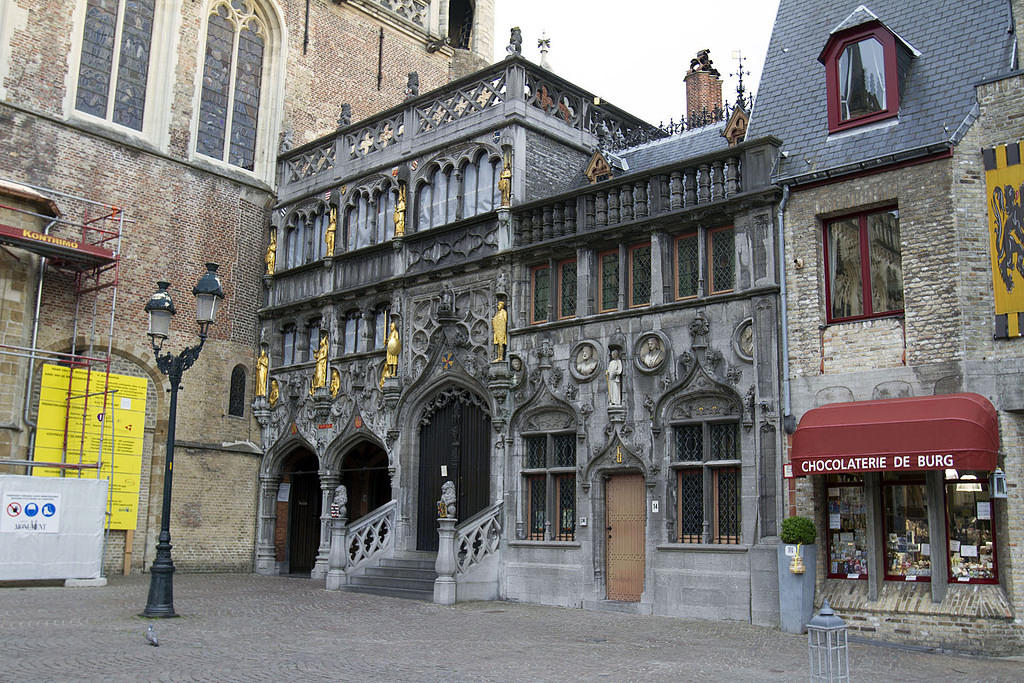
{"x": 549, "y": 473}
{"x": 313, "y": 339}
{"x": 972, "y": 543}
{"x": 288, "y": 345}
{"x": 567, "y": 289}
{"x": 351, "y": 332}
{"x": 864, "y": 265}
{"x": 722, "y": 259}
{"x": 236, "y": 398}
{"x": 708, "y": 479}
{"x": 609, "y": 266}
{"x": 847, "y": 532}
{"x": 861, "y": 79}
{"x": 380, "y": 328}
{"x": 640, "y": 275}
{"x": 540, "y": 294}
{"x": 907, "y": 547}
{"x": 687, "y": 266}
{"x": 112, "y": 81}
{"x": 232, "y": 75}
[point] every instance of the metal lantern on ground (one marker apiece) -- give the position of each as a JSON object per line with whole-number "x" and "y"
{"x": 826, "y": 639}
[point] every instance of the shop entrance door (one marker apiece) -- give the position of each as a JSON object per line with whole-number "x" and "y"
{"x": 625, "y": 519}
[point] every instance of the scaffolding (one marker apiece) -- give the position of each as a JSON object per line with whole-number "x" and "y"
{"x": 80, "y": 240}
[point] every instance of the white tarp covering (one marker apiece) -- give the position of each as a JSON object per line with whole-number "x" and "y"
{"x": 51, "y": 528}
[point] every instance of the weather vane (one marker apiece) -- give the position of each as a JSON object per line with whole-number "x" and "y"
{"x": 741, "y": 70}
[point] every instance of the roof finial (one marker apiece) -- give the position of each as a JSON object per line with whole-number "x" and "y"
{"x": 741, "y": 100}
{"x": 544, "y": 44}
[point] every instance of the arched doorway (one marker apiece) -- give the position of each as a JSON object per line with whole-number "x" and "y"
{"x": 298, "y": 512}
{"x": 364, "y": 472}
{"x": 455, "y": 444}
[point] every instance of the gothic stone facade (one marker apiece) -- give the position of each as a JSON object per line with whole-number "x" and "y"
{"x": 638, "y": 389}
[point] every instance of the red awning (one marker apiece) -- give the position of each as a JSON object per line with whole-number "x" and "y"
{"x": 953, "y": 431}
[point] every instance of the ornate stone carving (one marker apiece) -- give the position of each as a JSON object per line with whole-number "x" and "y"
{"x": 446, "y": 506}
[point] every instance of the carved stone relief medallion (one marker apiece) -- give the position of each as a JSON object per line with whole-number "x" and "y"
{"x": 583, "y": 361}
{"x": 743, "y": 340}
{"x": 651, "y": 352}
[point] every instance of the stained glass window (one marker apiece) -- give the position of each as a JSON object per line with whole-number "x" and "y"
{"x": 687, "y": 266}
{"x": 541, "y": 293}
{"x": 707, "y": 482}
{"x": 727, "y": 505}
{"x": 128, "y": 24}
{"x": 567, "y": 289}
{"x": 609, "y": 280}
{"x": 549, "y": 468}
{"x": 566, "y": 507}
{"x": 232, "y": 74}
{"x": 691, "y": 505}
{"x": 640, "y": 275}
{"x": 537, "y": 488}
{"x": 723, "y": 260}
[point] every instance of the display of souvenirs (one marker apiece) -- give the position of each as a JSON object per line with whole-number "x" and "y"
{"x": 970, "y": 533}
{"x": 908, "y": 552}
{"x": 847, "y": 533}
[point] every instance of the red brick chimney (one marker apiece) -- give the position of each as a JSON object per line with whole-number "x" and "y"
{"x": 703, "y": 86}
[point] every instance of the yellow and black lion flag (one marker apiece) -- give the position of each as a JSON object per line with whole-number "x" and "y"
{"x": 1004, "y": 181}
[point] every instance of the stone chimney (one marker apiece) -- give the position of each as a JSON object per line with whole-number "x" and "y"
{"x": 703, "y": 86}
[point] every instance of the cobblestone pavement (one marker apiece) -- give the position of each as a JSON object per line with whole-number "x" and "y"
{"x": 251, "y": 628}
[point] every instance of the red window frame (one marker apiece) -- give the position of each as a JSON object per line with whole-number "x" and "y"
{"x": 830, "y": 58}
{"x": 865, "y": 267}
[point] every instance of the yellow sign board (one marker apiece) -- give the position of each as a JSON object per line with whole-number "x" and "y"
{"x": 1004, "y": 180}
{"x": 75, "y": 419}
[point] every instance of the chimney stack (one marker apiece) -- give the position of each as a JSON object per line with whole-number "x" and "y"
{"x": 703, "y": 87}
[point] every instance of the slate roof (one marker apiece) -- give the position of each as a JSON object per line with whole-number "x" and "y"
{"x": 961, "y": 43}
{"x": 688, "y": 144}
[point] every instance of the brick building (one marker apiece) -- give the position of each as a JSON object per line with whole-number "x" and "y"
{"x": 903, "y": 376}
{"x": 164, "y": 119}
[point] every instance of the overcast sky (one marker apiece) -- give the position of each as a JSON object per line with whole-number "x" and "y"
{"x": 634, "y": 54}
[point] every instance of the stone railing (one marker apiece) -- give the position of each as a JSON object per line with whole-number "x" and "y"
{"x": 687, "y": 184}
{"x": 477, "y": 537}
{"x": 371, "y": 535}
{"x": 486, "y": 100}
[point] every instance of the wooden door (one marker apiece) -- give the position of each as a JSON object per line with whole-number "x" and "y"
{"x": 625, "y": 520}
{"x": 455, "y": 435}
{"x": 303, "y": 522}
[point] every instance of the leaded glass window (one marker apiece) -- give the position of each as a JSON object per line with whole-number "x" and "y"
{"x": 128, "y": 25}
{"x": 687, "y": 266}
{"x": 609, "y": 264}
{"x": 232, "y": 78}
{"x": 708, "y": 476}
{"x": 723, "y": 260}
{"x": 236, "y": 398}
{"x": 549, "y": 473}
{"x": 541, "y": 296}
{"x": 567, "y": 289}
{"x": 640, "y": 275}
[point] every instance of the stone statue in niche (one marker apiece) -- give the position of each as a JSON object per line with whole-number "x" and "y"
{"x": 652, "y": 353}
{"x": 499, "y": 324}
{"x": 391, "y": 353}
{"x": 275, "y": 393}
{"x": 345, "y": 118}
{"x": 332, "y": 229}
{"x": 335, "y": 382}
{"x": 320, "y": 372}
{"x": 412, "y": 88}
{"x": 586, "y": 363}
{"x": 400, "y": 212}
{"x": 262, "y": 368}
{"x": 271, "y": 257}
{"x": 505, "y": 181}
{"x": 614, "y": 376}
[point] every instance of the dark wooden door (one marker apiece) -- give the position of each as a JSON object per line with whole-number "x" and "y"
{"x": 456, "y": 435}
{"x": 626, "y": 509}
{"x": 303, "y": 522}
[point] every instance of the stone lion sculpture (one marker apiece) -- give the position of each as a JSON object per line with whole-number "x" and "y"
{"x": 446, "y": 506}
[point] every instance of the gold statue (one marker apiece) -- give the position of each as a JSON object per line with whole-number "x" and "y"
{"x": 320, "y": 373}
{"x": 262, "y": 368}
{"x": 275, "y": 393}
{"x": 393, "y": 348}
{"x": 499, "y": 323}
{"x": 335, "y": 382}
{"x": 400, "y": 212}
{"x": 332, "y": 228}
{"x": 505, "y": 181}
{"x": 271, "y": 258}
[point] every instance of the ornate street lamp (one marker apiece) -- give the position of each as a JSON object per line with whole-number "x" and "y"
{"x": 208, "y": 294}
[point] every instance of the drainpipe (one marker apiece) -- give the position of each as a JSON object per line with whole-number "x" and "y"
{"x": 788, "y": 422}
{"x": 26, "y": 408}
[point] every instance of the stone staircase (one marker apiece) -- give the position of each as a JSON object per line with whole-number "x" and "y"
{"x": 410, "y": 575}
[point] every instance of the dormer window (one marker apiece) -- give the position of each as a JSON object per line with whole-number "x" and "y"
{"x": 863, "y": 67}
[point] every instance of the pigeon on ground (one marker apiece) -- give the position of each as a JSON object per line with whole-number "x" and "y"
{"x": 151, "y": 636}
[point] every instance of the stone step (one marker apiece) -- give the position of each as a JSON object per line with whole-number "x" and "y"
{"x": 403, "y": 572}
{"x": 393, "y": 592}
{"x": 422, "y": 584}
{"x": 408, "y": 563}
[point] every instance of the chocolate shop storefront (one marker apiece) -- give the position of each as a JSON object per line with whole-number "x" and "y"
{"x": 909, "y": 502}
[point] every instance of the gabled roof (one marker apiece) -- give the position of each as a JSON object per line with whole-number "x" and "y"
{"x": 959, "y": 45}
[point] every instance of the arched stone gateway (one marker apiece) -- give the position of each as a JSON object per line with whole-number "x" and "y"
{"x": 455, "y": 445}
{"x": 364, "y": 472}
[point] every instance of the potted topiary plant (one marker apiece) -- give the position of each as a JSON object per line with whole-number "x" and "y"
{"x": 797, "y": 564}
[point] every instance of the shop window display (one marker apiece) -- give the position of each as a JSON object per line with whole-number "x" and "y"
{"x": 847, "y": 532}
{"x": 907, "y": 548}
{"x": 971, "y": 539}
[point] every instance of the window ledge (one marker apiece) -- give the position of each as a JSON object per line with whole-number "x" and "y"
{"x": 545, "y": 544}
{"x": 704, "y": 547}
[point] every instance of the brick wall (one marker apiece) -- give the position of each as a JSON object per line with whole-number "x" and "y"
{"x": 703, "y": 91}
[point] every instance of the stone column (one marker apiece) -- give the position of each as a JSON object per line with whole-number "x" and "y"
{"x": 444, "y": 584}
{"x": 266, "y": 550}
{"x": 336, "y": 577}
{"x": 328, "y": 482}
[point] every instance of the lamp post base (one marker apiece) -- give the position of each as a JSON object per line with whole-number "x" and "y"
{"x": 161, "y": 594}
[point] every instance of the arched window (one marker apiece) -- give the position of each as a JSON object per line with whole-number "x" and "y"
{"x": 233, "y": 69}
{"x": 350, "y": 335}
{"x": 380, "y": 327}
{"x": 484, "y": 184}
{"x": 295, "y": 241}
{"x": 236, "y": 399}
{"x": 469, "y": 174}
{"x": 424, "y": 196}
